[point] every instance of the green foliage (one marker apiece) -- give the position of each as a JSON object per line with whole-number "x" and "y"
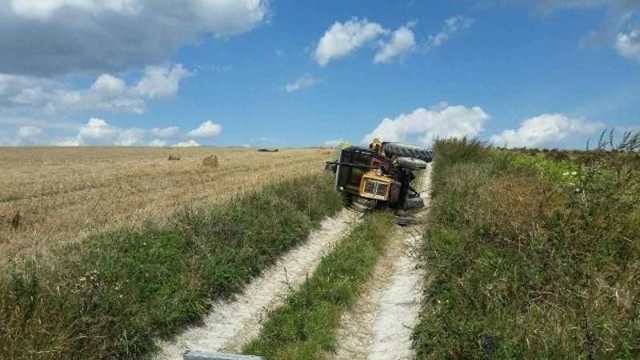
{"x": 112, "y": 295}
{"x": 526, "y": 262}
{"x": 304, "y": 327}
{"x": 453, "y": 150}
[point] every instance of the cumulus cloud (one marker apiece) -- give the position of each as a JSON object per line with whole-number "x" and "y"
{"x": 130, "y": 137}
{"x": 29, "y": 131}
{"x": 66, "y": 142}
{"x": 45, "y": 9}
{"x": 302, "y": 82}
{"x": 452, "y": 26}
{"x": 24, "y": 90}
{"x": 157, "y": 143}
{"x": 545, "y": 129}
{"x": 165, "y": 132}
{"x": 190, "y": 143}
{"x": 58, "y": 37}
{"x": 160, "y": 82}
{"x": 98, "y": 132}
{"x": 402, "y": 42}
{"x": 343, "y": 38}
{"x": 108, "y": 92}
{"x": 423, "y": 125}
{"x": 206, "y": 129}
{"x": 628, "y": 44}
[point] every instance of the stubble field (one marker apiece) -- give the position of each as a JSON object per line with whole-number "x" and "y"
{"x": 65, "y": 194}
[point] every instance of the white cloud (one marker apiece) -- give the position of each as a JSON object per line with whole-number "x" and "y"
{"x": 130, "y": 137}
{"x": 343, "y": 38}
{"x": 107, "y": 85}
{"x": 30, "y": 96}
{"x": 161, "y": 82}
{"x": 45, "y": 9}
{"x": 66, "y": 142}
{"x": 628, "y": 44}
{"x": 157, "y": 143}
{"x": 402, "y": 42}
{"x": 545, "y": 129}
{"x": 190, "y": 143}
{"x": 165, "y": 132}
{"x": 99, "y": 132}
{"x": 423, "y": 125}
{"x": 302, "y": 82}
{"x": 95, "y": 132}
{"x": 29, "y": 131}
{"x": 107, "y": 36}
{"x": 206, "y": 129}
{"x": 108, "y": 92}
{"x": 452, "y": 26}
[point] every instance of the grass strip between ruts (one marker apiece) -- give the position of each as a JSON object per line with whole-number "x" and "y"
{"x": 304, "y": 328}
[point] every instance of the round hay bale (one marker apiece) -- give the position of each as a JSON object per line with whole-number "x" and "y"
{"x": 210, "y": 161}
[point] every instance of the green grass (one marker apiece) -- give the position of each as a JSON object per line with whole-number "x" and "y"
{"x": 305, "y": 327}
{"x": 524, "y": 263}
{"x": 112, "y": 295}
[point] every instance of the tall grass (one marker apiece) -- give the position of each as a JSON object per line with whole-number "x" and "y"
{"x": 523, "y": 264}
{"x": 112, "y": 295}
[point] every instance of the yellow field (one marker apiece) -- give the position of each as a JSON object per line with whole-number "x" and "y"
{"x": 64, "y": 194}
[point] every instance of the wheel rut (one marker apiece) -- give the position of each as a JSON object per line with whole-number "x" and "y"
{"x": 381, "y": 322}
{"x": 232, "y": 324}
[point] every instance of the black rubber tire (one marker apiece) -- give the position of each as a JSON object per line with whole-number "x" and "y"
{"x": 411, "y": 163}
{"x": 406, "y": 150}
{"x": 414, "y": 203}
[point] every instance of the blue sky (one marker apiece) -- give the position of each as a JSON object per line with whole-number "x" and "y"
{"x": 305, "y": 73}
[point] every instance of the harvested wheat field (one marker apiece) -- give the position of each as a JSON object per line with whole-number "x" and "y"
{"x": 64, "y": 194}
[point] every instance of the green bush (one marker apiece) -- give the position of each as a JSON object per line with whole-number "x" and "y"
{"x": 523, "y": 264}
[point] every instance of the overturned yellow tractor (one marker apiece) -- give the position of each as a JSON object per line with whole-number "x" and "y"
{"x": 380, "y": 176}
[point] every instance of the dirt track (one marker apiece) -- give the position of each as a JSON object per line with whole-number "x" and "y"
{"x": 230, "y": 325}
{"x": 380, "y": 325}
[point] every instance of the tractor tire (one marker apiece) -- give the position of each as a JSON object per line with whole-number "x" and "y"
{"x": 408, "y": 151}
{"x": 414, "y": 203}
{"x": 411, "y": 163}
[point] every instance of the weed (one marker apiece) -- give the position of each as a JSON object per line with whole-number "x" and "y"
{"x": 526, "y": 262}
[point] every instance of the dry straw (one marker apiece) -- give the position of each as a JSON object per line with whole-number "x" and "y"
{"x": 64, "y": 194}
